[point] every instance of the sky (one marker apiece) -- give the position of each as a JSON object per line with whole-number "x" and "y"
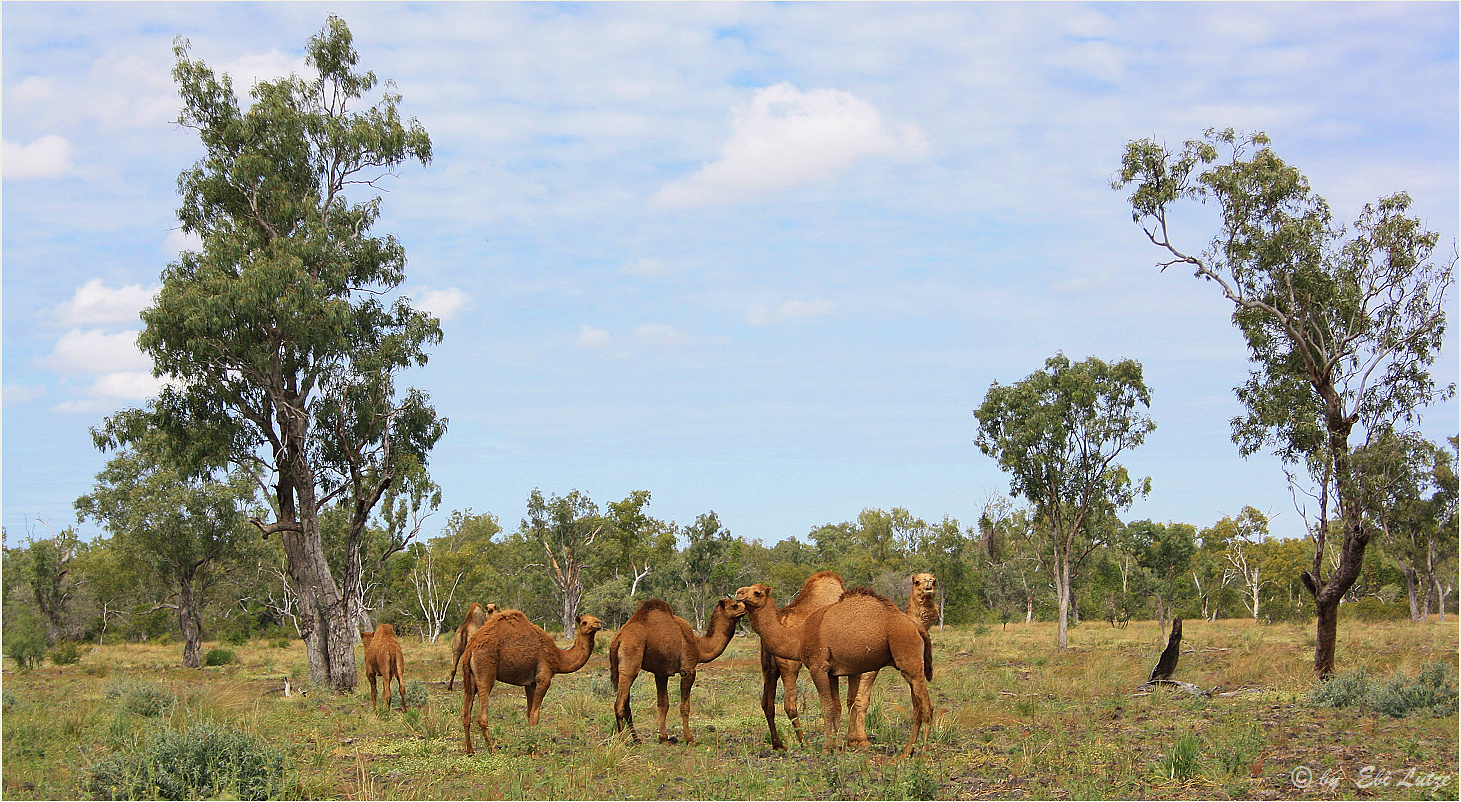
{"x": 758, "y": 259}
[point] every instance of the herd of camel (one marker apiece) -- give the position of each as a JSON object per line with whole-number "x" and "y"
{"x": 833, "y": 630}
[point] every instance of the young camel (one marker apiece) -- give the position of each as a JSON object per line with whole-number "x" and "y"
{"x": 656, "y": 640}
{"x": 476, "y": 617}
{"x": 859, "y": 634}
{"x": 820, "y": 590}
{"x": 923, "y": 599}
{"x": 509, "y": 648}
{"x": 383, "y": 658}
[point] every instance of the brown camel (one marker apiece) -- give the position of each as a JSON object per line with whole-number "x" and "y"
{"x": 383, "y": 658}
{"x": 859, "y": 634}
{"x": 656, "y": 640}
{"x": 509, "y": 648}
{"x": 821, "y": 589}
{"x": 476, "y": 617}
{"x": 923, "y": 599}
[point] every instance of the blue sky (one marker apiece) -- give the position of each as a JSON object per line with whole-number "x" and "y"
{"x": 762, "y": 259}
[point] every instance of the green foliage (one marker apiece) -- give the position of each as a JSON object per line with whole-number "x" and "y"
{"x": 416, "y": 693}
{"x": 1181, "y": 760}
{"x": 25, "y": 639}
{"x": 147, "y": 699}
{"x": 219, "y": 657}
{"x": 1433, "y": 692}
{"x": 203, "y": 760}
{"x": 66, "y": 653}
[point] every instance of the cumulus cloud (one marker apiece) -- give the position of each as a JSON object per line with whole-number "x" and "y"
{"x": 444, "y": 304}
{"x": 178, "y": 241}
{"x": 46, "y": 157}
{"x": 134, "y": 385}
{"x": 96, "y": 351}
{"x": 255, "y": 67}
{"x": 20, "y": 393}
{"x": 791, "y": 310}
{"x": 784, "y": 137}
{"x": 32, "y": 88}
{"x": 660, "y": 335}
{"x": 95, "y": 304}
{"x": 590, "y": 337}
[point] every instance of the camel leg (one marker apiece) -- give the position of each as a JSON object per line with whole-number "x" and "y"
{"x": 662, "y": 704}
{"x": 827, "y": 689}
{"x": 468, "y": 692}
{"x": 455, "y": 661}
{"x": 373, "y": 702}
{"x": 628, "y": 669}
{"x": 789, "y": 699}
{"x": 400, "y": 685}
{"x": 538, "y": 690}
{"x": 922, "y": 707}
{"x": 859, "y": 696}
{"x": 770, "y": 675}
{"x": 687, "y": 681}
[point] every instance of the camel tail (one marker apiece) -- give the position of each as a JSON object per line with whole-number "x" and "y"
{"x": 614, "y": 667}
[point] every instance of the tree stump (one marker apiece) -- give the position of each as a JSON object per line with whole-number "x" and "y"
{"x": 1168, "y": 662}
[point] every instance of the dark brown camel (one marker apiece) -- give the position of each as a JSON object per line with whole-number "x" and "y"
{"x": 383, "y": 658}
{"x": 656, "y": 640}
{"x": 509, "y": 648}
{"x": 859, "y": 634}
{"x": 476, "y": 617}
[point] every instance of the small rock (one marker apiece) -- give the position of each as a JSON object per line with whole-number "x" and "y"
{"x": 710, "y": 728}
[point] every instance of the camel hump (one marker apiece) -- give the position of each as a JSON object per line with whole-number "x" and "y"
{"x": 867, "y": 593}
{"x": 820, "y": 589}
{"x": 649, "y": 606}
{"x": 385, "y": 631}
{"x": 510, "y": 616}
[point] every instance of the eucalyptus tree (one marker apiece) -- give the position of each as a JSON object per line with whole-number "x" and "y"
{"x": 1342, "y": 328}
{"x": 566, "y": 527}
{"x": 182, "y": 527}
{"x": 279, "y": 335}
{"x": 1058, "y": 433}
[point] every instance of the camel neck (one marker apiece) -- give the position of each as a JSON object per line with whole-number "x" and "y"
{"x": 574, "y": 657}
{"x": 717, "y": 636}
{"x": 776, "y": 637}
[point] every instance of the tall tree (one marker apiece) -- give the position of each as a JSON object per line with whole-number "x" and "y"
{"x": 181, "y": 526}
{"x": 1164, "y": 550}
{"x": 566, "y": 527}
{"x": 1342, "y": 329}
{"x": 284, "y": 353}
{"x": 1058, "y": 433}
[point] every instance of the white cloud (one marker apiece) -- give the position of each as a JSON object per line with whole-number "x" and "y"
{"x": 94, "y": 304}
{"x": 590, "y": 337}
{"x": 648, "y": 267}
{"x": 88, "y": 406}
{"x": 255, "y": 67}
{"x": 444, "y": 304}
{"x": 96, "y": 351}
{"x": 131, "y": 384}
{"x": 791, "y": 310}
{"x": 178, "y": 241}
{"x": 47, "y": 157}
{"x": 32, "y": 88}
{"x": 660, "y": 335}
{"x": 784, "y": 137}
{"x": 20, "y": 393}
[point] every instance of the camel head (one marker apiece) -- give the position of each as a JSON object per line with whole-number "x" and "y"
{"x": 588, "y": 625}
{"x": 491, "y": 609}
{"x": 732, "y": 608}
{"x": 755, "y": 597}
{"x": 925, "y": 585}
{"x": 365, "y": 638}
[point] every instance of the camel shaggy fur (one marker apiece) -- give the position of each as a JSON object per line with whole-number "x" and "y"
{"x": 476, "y": 617}
{"x": 656, "y": 640}
{"x": 383, "y": 658}
{"x": 859, "y": 634}
{"x": 509, "y": 648}
{"x": 923, "y": 599}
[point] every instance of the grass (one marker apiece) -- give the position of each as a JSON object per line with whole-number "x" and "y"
{"x": 1014, "y": 718}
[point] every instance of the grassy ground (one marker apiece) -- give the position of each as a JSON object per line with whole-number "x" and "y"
{"x": 1016, "y": 719}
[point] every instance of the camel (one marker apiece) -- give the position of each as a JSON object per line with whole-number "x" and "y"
{"x": 476, "y": 617}
{"x": 923, "y": 599}
{"x": 383, "y": 658}
{"x": 858, "y": 635}
{"x": 820, "y": 589}
{"x": 509, "y": 648}
{"x": 656, "y": 640}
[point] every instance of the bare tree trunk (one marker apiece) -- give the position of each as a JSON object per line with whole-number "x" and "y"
{"x": 189, "y": 623}
{"x": 1062, "y": 598}
{"x": 1415, "y": 612}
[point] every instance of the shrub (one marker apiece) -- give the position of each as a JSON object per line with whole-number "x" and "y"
{"x": 219, "y": 657}
{"x": 101, "y": 670}
{"x": 25, "y": 640}
{"x": 280, "y": 643}
{"x": 1434, "y": 692}
{"x": 1181, "y": 760}
{"x": 416, "y": 694}
{"x": 205, "y": 760}
{"x": 66, "y": 653}
{"x": 143, "y": 698}
{"x": 238, "y": 637}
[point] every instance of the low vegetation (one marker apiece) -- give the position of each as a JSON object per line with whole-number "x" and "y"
{"x": 1014, "y": 718}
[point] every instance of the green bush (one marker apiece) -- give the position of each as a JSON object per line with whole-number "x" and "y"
{"x": 280, "y": 643}
{"x": 205, "y": 760}
{"x": 416, "y": 694}
{"x": 66, "y": 653}
{"x": 143, "y": 698}
{"x": 1372, "y": 608}
{"x": 219, "y": 657}
{"x": 25, "y": 640}
{"x": 238, "y": 637}
{"x": 1434, "y": 692}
